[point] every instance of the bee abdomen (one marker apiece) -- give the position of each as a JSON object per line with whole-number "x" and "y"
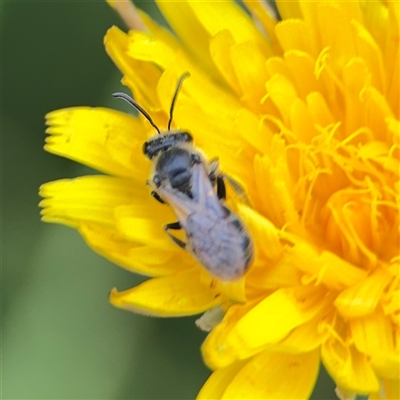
{"x": 220, "y": 246}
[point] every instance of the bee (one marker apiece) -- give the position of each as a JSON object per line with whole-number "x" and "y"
{"x": 196, "y": 191}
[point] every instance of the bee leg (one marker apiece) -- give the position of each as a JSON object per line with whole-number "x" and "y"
{"x": 236, "y": 186}
{"x": 221, "y": 189}
{"x": 218, "y": 179}
{"x": 175, "y": 226}
{"x": 213, "y": 167}
{"x": 158, "y": 197}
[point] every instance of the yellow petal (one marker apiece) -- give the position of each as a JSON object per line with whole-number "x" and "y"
{"x": 306, "y": 337}
{"x": 319, "y": 109}
{"x": 387, "y": 365}
{"x": 270, "y": 321}
{"x": 341, "y": 42}
{"x": 143, "y": 46}
{"x": 147, "y": 48}
{"x": 144, "y": 224}
{"x": 391, "y": 48}
{"x": 88, "y": 198}
{"x": 220, "y": 45}
{"x": 295, "y": 34}
{"x": 350, "y": 369}
{"x": 362, "y": 298}
{"x": 368, "y": 50}
{"x": 140, "y": 76}
{"x": 265, "y": 275}
{"x": 275, "y": 186}
{"x": 249, "y": 65}
{"x": 188, "y": 28}
{"x": 393, "y": 126}
{"x": 372, "y": 334}
{"x": 378, "y": 110}
{"x": 261, "y": 135}
{"x": 216, "y": 16}
{"x": 282, "y": 93}
{"x": 350, "y": 10}
{"x": 325, "y": 267}
{"x": 101, "y": 138}
{"x": 393, "y": 95}
{"x": 264, "y": 233}
{"x": 218, "y": 381}
{"x": 235, "y": 291}
{"x": 301, "y": 122}
{"x": 333, "y": 86}
{"x": 145, "y": 260}
{"x": 215, "y": 353}
{"x": 391, "y": 301}
{"x": 289, "y": 9}
{"x": 171, "y": 296}
{"x": 355, "y": 78}
{"x": 275, "y": 376}
{"x": 390, "y": 390}
{"x": 264, "y": 13}
{"x": 376, "y": 17}
{"x": 301, "y": 65}
{"x": 161, "y": 33}
{"x": 354, "y": 223}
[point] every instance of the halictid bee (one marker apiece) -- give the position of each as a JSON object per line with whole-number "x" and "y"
{"x": 196, "y": 192}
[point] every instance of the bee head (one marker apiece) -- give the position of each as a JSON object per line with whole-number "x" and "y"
{"x": 161, "y": 143}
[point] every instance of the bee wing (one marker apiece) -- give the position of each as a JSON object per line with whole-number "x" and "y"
{"x": 202, "y": 189}
{"x": 204, "y": 201}
{"x": 182, "y": 205}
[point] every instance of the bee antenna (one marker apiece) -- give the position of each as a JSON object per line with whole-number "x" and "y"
{"x": 178, "y": 87}
{"x": 128, "y": 99}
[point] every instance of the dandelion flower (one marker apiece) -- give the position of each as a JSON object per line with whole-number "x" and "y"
{"x": 304, "y": 112}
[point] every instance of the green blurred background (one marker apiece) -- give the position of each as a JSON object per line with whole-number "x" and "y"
{"x": 60, "y": 337}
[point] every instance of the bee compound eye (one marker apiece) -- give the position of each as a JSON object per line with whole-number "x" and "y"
{"x": 188, "y": 137}
{"x": 145, "y": 149}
